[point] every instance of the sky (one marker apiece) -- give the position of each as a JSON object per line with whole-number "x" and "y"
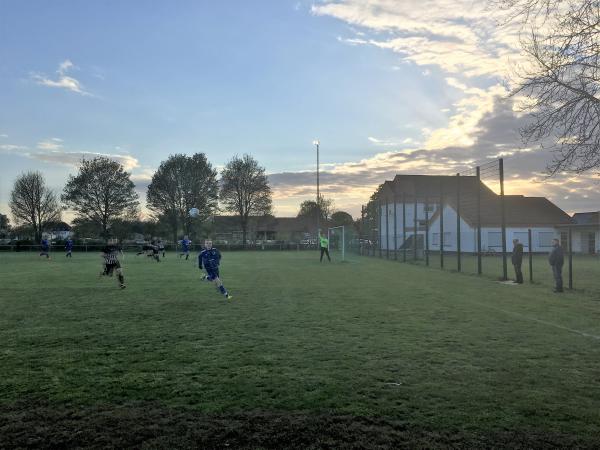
{"x": 386, "y": 86}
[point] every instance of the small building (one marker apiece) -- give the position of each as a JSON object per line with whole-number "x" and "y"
{"x": 585, "y": 232}
{"x": 227, "y": 229}
{"x": 58, "y": 230}
{"x": 411, "y": 215}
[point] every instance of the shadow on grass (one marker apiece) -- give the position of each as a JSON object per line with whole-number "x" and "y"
{"x": 147, "y": 425}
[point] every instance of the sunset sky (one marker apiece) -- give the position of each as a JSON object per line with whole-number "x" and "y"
{"x": 387, "y": 86}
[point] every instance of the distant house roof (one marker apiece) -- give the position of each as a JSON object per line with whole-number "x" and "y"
{"x": 519, "y": 210}
{"x": 58, "y": 226}
{"x": 587, "y": 218}
{"x": 264, "y": 223}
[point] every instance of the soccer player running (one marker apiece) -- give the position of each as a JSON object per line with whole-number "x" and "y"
{"x": 210, "y": 259}
{"x": 324, "y": 245}
{"x": 112, "y": 264}
{"x": 45, "y": 246}
{"x": 185, "y": 247}
{"x": 155, "y": 250}
{"x": 161, "y": 247}
{"x": 69, "y": 248}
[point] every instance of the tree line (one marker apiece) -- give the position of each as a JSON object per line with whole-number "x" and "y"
{"x": 105, "y": 204}
{"x": 103, "y": 199}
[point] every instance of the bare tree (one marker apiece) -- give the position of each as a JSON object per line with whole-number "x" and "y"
{"x": 33, "y": 203}
{"x": 245, "y": 190}
{"x": 101, "y": 192}
{"x": 561, "y": 79}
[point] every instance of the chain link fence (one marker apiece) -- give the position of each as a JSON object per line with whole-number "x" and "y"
{"x": 467, "y": 223}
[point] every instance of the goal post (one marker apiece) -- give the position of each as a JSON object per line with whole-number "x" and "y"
{"x": 337, "y": 240}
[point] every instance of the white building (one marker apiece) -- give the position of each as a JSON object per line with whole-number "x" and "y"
{"x": 410, "y": 206}
{"x": 586, "y": 232}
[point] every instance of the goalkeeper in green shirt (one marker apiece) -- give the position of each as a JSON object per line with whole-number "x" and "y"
{"x": 324, "y": 244}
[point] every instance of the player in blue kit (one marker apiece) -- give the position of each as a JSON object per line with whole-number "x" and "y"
{"x": 210, "y": 259}
{"x": 69, "y": 248}
{"x": 185, "y": 247}
{"x": 45, "y": 246}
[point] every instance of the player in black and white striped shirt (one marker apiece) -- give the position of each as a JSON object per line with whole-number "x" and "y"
{"x": 111, "y": 263}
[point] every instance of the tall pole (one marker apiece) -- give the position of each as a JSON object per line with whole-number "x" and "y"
{"x": 318, "y": 196}
{"x": 570, "y": 257}
{"x": 404, "y": 227}
{"x": 395, "y": 228}
{"x": 479, "y": 268}
{"x": 530, "y": 244}
{"x": 503, "y": 208}
{"x": 441, "y": 226}
{"x": 426, "y": 231}
{"x": 458, "y": 249}
{"x": 387, "y": 228}
{"x": 416, "y": 227}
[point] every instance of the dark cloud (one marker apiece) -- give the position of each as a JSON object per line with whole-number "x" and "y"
{"x": 497, "y": 135}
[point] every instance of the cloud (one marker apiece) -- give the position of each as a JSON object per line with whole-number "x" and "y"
{"x": 50, "y": 144}
{"x": 3, "y": 135}
{"x": 74, "y": 158}
{"x": 63, "y": 81}
{"x": 52, "y": 152}
{"x": 11, "y": 148}
{"x": 494, "y": 133}
{"x": 458, "y": 36}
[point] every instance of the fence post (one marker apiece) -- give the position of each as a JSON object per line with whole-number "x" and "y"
{"x": 479, "y": 268}
{"x": 426, "y": 231}
{"x": 530, "y": 255}
{"x": 387, "y": 228}
{"x": 362, "y": 231}
{"x": 415, "y": 231}
{"x": 379, "y": 226}
{"x": 395, "y": 228}
{"x": 570, "y": 257}
{"x": 503, "y": 208}
{"x": 404, "y": 227}
{"x": 441, "y": 226}
{"x": 458, "y": 262}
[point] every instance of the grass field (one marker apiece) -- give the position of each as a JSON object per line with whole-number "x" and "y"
{"x": 368, "y": 353}
{"x": 586, "y": 268}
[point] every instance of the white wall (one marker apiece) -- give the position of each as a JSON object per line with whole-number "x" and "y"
{"x": 541, "y": 236}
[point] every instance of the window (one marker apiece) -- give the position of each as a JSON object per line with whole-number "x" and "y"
{"x": 545, "y": 238}
{"x": 494, "y": 239}
{"x": 435, "y": 239}
{"x": 430, "y": 208}
{"x": 523, "y": 237}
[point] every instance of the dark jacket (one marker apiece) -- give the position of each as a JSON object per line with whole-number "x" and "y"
{"x": 517, "y": 255}
{"x": 557, "y": 257}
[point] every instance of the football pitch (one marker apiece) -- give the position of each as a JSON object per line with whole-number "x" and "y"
{"x": 367, "y": 353}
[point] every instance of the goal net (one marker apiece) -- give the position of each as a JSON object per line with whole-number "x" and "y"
{"x": 341, "y": 241}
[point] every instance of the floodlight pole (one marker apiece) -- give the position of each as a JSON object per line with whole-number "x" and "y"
{"x": 316, "y": 143}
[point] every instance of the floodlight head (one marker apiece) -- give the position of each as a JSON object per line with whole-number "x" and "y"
{"x": 316, "y": 142}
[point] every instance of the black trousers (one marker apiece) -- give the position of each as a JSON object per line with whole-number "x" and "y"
{"x": 325, "y": 251}
{"x": 518, "y": 273}
{"x": 557, "y": 272}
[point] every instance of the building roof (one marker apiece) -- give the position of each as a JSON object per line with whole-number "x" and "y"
{"x": 519, "y": 210}
{"x": 434, "y": 186}
{"x": 587, "y": 218}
